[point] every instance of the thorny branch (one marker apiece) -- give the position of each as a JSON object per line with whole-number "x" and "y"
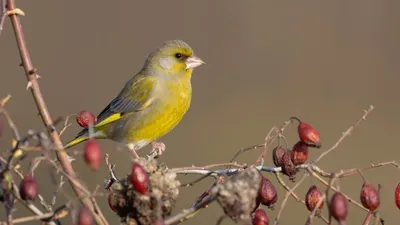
{"x": 31, "y": 74}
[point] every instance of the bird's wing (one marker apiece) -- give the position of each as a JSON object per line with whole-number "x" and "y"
{"x": 134, "y": 97}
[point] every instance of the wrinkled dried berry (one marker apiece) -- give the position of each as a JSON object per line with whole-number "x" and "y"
{"x": 260, "y": 217}
{"x": 308, "y": 134}
{"x": 312, "y": 197}
{"x": 139, "y": 178}
{"x": 277, "y": 155}
{"x": 85, "y": 118}
{"x": 288, "y": 168}
{"x": 28, "y": 188}
{"x": 92, "y": 154}
{"x": 267, "y": 193}
{"x": 299, "y": 153}
{"x": 369, "y": 197}
{"x": 338, "y": 207}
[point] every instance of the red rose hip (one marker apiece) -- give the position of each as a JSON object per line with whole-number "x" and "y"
{"x": 299, "y": 153}
{"x": 307, "y": 134}
{"x": 339, "y": 207}
{"x": 267, "y": 193}
{"x": 92, "y": 154}
{"x": 28, "y": 188}
{"x": 312, "y": 197}
{"x": 397, "y": 196}
{"x": 139, "y": 179}
{"x": 85, "y": 118}
{"x": 369, "y": 197}
{"x": 260, "y": 217}
{"x": 85, "y": 217}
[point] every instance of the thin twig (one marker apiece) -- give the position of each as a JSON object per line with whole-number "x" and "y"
{"x": 346, "y": 133}
{"x": 368, "y": 218}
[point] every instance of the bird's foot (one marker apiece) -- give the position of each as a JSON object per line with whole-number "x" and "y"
{"x": 132, "y": 149}
{"x": 15, "y": 12}
{"x": 158, "y": 149}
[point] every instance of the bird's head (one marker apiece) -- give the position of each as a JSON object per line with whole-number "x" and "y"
{"x": 174, "y": 59}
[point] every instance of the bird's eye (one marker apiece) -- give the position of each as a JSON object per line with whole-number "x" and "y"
{"x": 178, "y": 55}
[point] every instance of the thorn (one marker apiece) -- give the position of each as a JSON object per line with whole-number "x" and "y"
{"x": 29, "y": 85}
{"x": 15, "y": 12}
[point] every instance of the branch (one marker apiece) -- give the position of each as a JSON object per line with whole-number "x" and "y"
{"x": 31, "y": 75}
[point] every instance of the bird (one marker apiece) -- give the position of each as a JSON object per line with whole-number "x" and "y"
{"x": 151, "y": 103}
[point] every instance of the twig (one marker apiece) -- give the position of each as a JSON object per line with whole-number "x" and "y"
{"x": 31, "y": 75}
{"x": 368, "y": 218}
{"x": 346, "y": 133}
{"x": 113, "y": 178}
{"x": 288, "y": 193}
{"x": 180, "y": 217}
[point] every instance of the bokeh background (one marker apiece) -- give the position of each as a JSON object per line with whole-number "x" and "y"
{"x": 266, "y": 61}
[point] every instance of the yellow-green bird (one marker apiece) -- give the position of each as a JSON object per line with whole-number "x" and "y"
{"x": 151, "y": 103}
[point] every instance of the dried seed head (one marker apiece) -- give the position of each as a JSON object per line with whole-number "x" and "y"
{"x": 288, "y": 168}
{"x": 267, "y": 193}
{"x": 277, "y": 155}
{"x": 92, "y": 154}
{"x": 299, "y": 153}
{"x": 260, "y": 217}
{"x": 308, "y": 134}
{"x": 139, "y": 178}
{"x": 369, "y": 197}
{"x": 28, "y": 188}
{"x": 312, "y": 197}
{"x": 85, "y": 118}
{"x": 338, "y": 207}
{"x": 237, "y": 195}
{"x": 397, "y": 196}
{"x": 85, "y": 217}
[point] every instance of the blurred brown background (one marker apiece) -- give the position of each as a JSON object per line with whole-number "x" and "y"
{"x": 266, "y": 61}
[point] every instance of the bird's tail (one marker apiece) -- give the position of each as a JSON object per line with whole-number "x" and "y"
{"x": 76, "y": 141}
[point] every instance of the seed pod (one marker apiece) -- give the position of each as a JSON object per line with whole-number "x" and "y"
{"x": 397, "y": 196}
{"x": 369, "y": 197}
{"x": 139, "y": 179}
{"x": 85, "y": 118}
{"x": 28, "y": 188}
{"x": 92, "y": 154}
{"x": 299, "y": 153}
{"x": 277, "y": 154}
{"x": 312, "y": 198}
{"x": 260, "y": 217}
{"x": 85, "y": 217}
{"x": 338, "y": 207}
{"x": 307, "y": 134}
{"x": 288, "y": 168}
{"x": 267, "y": 193}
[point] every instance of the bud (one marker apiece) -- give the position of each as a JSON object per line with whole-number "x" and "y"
{"x": 338, "y": 207}
{"x": 369, "y": 197}
{"x": 260, "y": 217}
{"x": 397, "y": 196}
{"x": 85, "y": 217}
{"x": 277, "y": 154}
{"x": 92, "y": 154}
{"x": 267, "y": 193}
{"x": 28, "y": 188}
{"x": 85, "y": 118}
{"x": 307, "y": 134}
{"x": 288, "y": 168}
{"x": 139, "y": 179}
{"x": 312, "y": 197}
{"x": 299, "y": 153}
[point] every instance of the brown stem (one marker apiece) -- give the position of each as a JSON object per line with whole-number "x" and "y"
{"x": 31, "y": 74}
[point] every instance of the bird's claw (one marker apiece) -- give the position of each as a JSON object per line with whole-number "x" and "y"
{"x": 158, "y": 149}
{"x": 15, "y": 12}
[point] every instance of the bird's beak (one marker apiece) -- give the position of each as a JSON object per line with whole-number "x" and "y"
{"x": 193, "y": 62}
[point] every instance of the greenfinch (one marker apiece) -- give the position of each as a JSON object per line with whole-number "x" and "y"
{"x": 151, "y": 103}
